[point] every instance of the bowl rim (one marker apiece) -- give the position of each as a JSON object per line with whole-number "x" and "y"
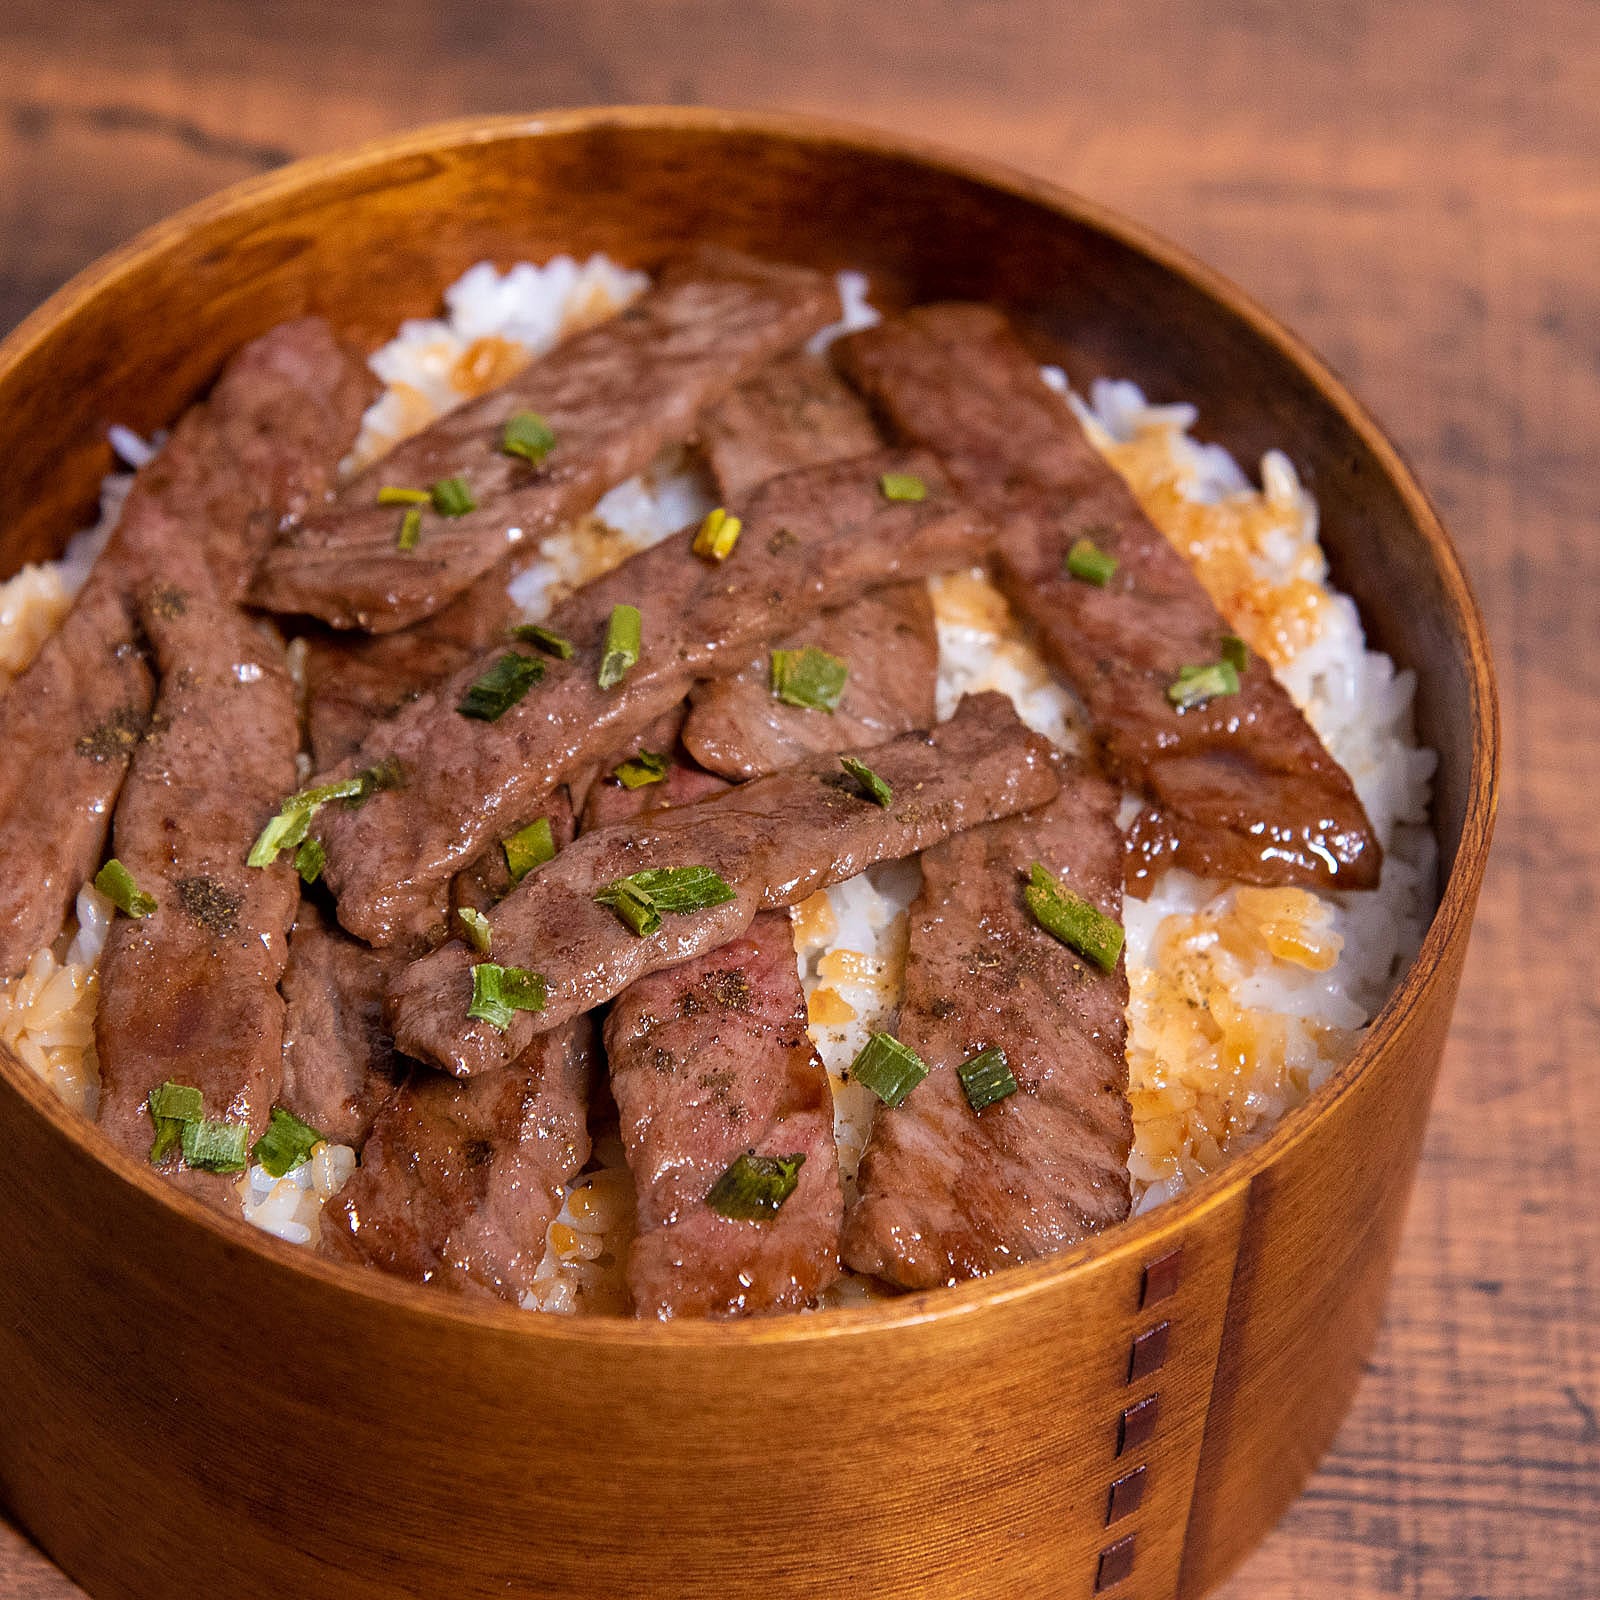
{"x": 1128, "y": 1240}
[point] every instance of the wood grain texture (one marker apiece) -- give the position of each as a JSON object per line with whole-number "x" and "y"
{"x": 1413, "y": 189}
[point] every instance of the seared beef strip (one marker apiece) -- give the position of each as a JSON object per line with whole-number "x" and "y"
{"x": 356, "y": 680}
{"x": 459, "y": 1182}
{"x": 1241, "y": 786}
{"x": 810, "y": 538}
{"x": 737, "y": 726}
{"x": 710, "y": 1060}
{"x": 612, "y": 396}
{"x": 796, "y": 413}
{"x": 950, "y": 1193}
{"x": 190, "y": 992}
{"x": 774, "y": 841}
{"x": 267, "y": 439}
{"x": 339, "y": 1063}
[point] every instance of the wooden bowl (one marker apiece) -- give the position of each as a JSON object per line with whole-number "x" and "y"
{"x": 192, "y": 1405}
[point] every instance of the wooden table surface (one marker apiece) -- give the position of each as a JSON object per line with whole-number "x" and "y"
{"x": 1411, "y": 186}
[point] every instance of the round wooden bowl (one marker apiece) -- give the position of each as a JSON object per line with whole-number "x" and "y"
{"x": 194, "y": 1406}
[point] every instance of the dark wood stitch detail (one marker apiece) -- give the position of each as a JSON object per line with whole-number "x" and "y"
{"x": 1137, "y": 1424}
{"x": 1161, "y": 1278}
{"x": 1149, "y": 1351}
{"x": 1127, "y": 1495}
{"x": 1116, "y": 1562}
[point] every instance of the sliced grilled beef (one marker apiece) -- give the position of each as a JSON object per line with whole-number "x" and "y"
{"x": 797, "y": 413}
{"x": 488, "y": 880}
{"x": 793, "y": 413}
{"x": 189, "y": 993}
{"x": 356, "y": 680}
{"x": 459, "y": 1182}
{"x": 1240, "y": 786}
{"x": 740, "y": 728}
{"x": 339, "y": 1063}
{"x": 811, "y": 539}
{"x": 774, "y": 841}
{"x": 949, "y": 1193}
{"x": 612, "y": 396}
{"x": 710, "y": 1060}
{"x": 283, "y": 412}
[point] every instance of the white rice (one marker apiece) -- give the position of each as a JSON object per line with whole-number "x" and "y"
{"x": 1242, "y": 1000}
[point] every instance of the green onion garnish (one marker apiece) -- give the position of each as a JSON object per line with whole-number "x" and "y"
{"x": 391, "y": 495}
{"x": 287, "y": 1143}
{"x": 1195, "y": 685}
{"x": 986, "y": 1078}
{"x": 528, "y": 848}
{"x": 479, "y": 933}
{"x": 501, "y": 687}
{"x": 718, "y": 534}
{"x": 649, "y": 766}
{"x": 810, "y": 678}
{"x": 410, "y": 534}
{"x": 755, "y": 1187}
{"x": 171, "y": 1106}
{"x": 888, "y": 1068}
{"x": 288, "y": 828}
{"x": 640, "y": 898}
{"x": 1071, "y": 919}
{"x": 874, "y": 787}
{"x": 452, "y": 497}
{"x": 902, "y": 486}
{"x": 116, "y": 883}
{"x": 309, "y": 860}
{"x": 498, "y": 993}
{"x": 215, "y": 1146}
{"x": 1235, "y": 652}
{"x": 1087, "y": 561}
{"x": 624, "y": 640}
{"x": 528, "y": 435}
{"x": 546, "y": 639}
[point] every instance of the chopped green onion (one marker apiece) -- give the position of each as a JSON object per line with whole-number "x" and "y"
{"x": 902, "y": 486}
{"x": 888, "y": 1068}
{"x": 353, "y": 788}
{"x": 810, "y": 678}
{"x": 309, "y": 860}
{"x": 498, "y": 993}
{"x": 479, "y": 933}
{"x": 633, "y": 906}
{"x": 1195, "y": 685}
{"x": 116, "y": 883}
{"x": 387, "y": 774}
{"x": 287, "y": 1143}
{"x": 288, "y": 828}
{"x": 528, "y": 848}
{"x": 1071, "y": 919}
{"x": 214, "y": 1146}
{"x": 452, "y": 497}
{"x": 171, "y": 1106}
{"x": 718, "y": 534}
{"x": 986, "y": 1078}
{"x": 649, "y": 766}
{"x": 875, "y": 788}
{"x": 1087, "y": 561}
{"x": 1235, "y": 652}
{"x": 755, "y": 1187}
{"x": 528, "y": 435}
{"x": 410, "y": 534}
{"x": 546, "y": 639}
{"x": 501, "y": 687}
{"x": 640, "y": 898}
{"x": 624, "y": 640}
{"x": 390, "y": 495}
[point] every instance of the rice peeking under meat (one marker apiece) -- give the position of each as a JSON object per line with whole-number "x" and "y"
{"x": 1243, "y": 999}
